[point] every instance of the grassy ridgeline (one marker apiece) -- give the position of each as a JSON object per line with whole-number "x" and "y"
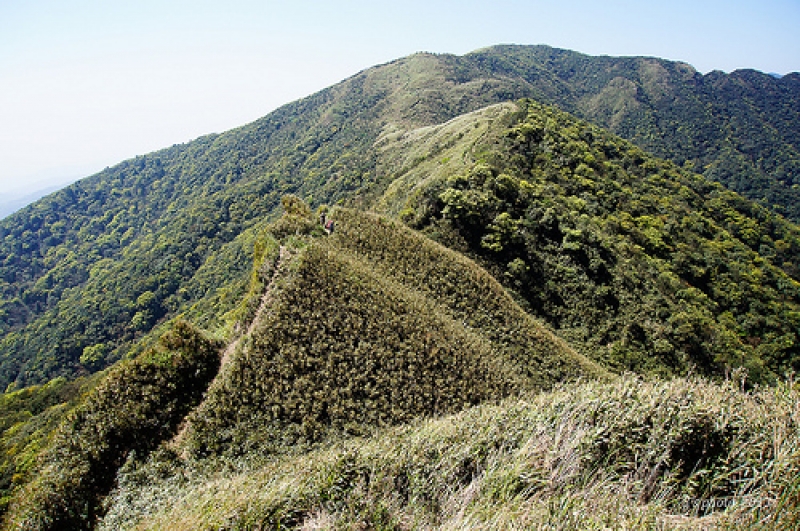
{"x": 88, "y": 271}
{"x": 374, "y": 325}
{"x": 631, "y": 454}
{"x": 466, "y": 292}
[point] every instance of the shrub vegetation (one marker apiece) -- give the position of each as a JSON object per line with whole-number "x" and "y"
{"x": 370, "y": 326}
{"x": 136, "y": 407}
{"x": 639, "y": 264}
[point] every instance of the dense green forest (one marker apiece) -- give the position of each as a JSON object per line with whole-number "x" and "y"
{"x": 642, "y": 265}
{"x": 739, "y": 129}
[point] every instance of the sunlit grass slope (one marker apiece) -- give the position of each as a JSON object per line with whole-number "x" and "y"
{"x": 370, "y": 326}
{"x": 631, "y": 454}
{"x": 465, "y": 291}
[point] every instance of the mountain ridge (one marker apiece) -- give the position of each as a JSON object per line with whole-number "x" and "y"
{"x": 459, "y": 203}
{"x": 64, "y": 254}
{"x": 516, "y": 248}
{"x": 341, "y": 343}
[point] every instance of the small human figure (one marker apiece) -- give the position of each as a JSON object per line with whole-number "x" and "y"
{"x": 322, "y": 219}
{"x": 329, "y": 226}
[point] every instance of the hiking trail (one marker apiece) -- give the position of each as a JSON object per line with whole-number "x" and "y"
{"x": 284, "y": 257}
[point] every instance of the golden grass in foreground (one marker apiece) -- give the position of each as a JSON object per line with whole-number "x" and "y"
{"x": 625, "y": 455}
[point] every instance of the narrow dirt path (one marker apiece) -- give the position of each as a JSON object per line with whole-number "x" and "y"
{"x": 284, "y": 257}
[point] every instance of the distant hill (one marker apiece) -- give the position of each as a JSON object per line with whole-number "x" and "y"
{"x": 10, "y": 205}
{"x": 739, "y": 129}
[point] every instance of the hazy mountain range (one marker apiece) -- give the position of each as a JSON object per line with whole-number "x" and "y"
{"x": 15, "y": 201}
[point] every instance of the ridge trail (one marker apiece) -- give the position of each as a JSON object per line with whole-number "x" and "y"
{"x": 284, "y": 257}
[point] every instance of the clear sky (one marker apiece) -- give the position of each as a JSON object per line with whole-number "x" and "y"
{"x": 85, "y": 84}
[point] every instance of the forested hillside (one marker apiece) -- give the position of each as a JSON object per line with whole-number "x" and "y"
{"x": 196, "y": 336}
{"x": 637, "y": 263}
{"x": 90, "y": 270}
{"x": 739, "y": 129}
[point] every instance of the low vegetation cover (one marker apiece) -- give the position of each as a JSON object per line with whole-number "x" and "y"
{"x": 630, "y": 454}
{"x": 455, "y": 282}
{"x": 338, "y": 334}
{"x": 370, "y": 326}
{"x": 137, "y": 406}
{"x": 640, "y": 265}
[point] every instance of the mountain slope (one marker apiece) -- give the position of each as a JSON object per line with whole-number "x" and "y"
{"x": 131, "y": 411}
{"x": 376, "y": 325}
{"x": 371, "y": 326}
{"x": 637, "y": 263}
{"x": 89, "y": 271}
{"x": 740, "y": 129}
{"x": 609, "y": 256}
{"x": 96, "y": 265}
{"x": 631, "y": 454}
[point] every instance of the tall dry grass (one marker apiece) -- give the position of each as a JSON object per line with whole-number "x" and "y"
{"x": 632, "y": 454}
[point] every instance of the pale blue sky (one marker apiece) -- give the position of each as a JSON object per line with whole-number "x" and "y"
{"x": 88, "y": 83}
